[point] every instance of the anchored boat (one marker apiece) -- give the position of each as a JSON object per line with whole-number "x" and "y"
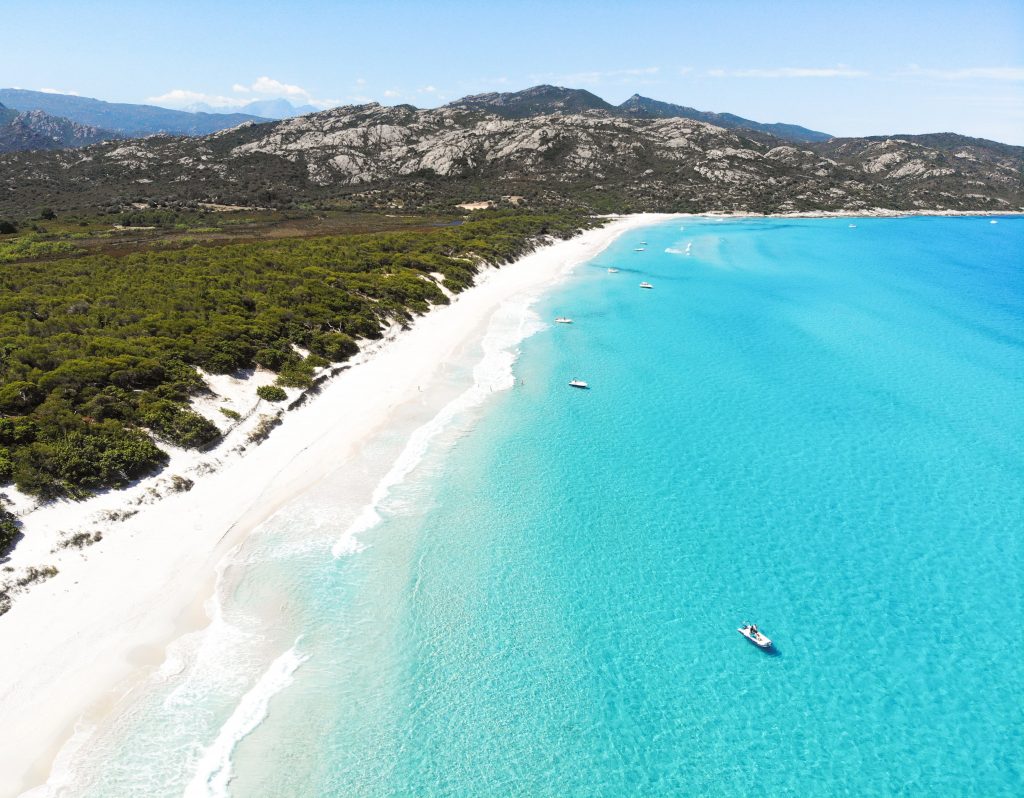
{"x": 578, "y": 384}
{"x": 755, "y": 636}
{"x": 563, "y": 320}
{"x": 646, "y": 285}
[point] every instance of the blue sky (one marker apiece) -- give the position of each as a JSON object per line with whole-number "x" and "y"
{"x": 848, "y": 68}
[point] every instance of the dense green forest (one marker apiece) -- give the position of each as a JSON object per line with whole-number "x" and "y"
{"x": 98, "y": 353}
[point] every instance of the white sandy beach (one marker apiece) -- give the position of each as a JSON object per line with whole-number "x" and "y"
{"x": 74, "y": 644}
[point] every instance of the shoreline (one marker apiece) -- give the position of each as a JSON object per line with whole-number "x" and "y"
{"x": 85, "y": 637}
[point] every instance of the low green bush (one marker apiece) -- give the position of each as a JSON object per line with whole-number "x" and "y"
{"x": 271, "y": 393}
{"x": 179, "y": 426}
{"x": 9, "y": 526}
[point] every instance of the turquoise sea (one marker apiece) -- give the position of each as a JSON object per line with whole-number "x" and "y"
{"x": 814, "y": 426}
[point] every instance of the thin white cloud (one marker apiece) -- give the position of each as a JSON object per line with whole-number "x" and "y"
{"x": 969, "y": 73}
{"x": 428, "y": 90}
{"x": 261, "y": 89}
{"x": 840, "y": 71}
{"x": 269, "y": 87}
{"x": 180, "y": 98}
{"x": 392, "y": 93}
{"x": 60, "y": 91}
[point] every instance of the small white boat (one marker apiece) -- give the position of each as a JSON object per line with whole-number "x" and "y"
{"x": 563, "y": 320}
{"x": 578, "y": 384}
{"x": 852, "y": 226}
{"x": 639, "y": 249}
{"x": 993, "y": 221}
{"x": 643, "y": 243}
{"x": 613, "y": 271}
{"x": 754, "y": 635}
{"x": 646, "y": 285}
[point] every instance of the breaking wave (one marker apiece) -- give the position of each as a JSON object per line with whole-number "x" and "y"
{"x": 511, "y": 325}
{"x": 214, "y": 772}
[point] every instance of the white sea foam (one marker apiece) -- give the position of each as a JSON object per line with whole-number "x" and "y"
{"x": 512, "y": 324}
{"x": 216, "y": 658}
{"x": 214, "y": 771}
{"x": 673, "y": 251}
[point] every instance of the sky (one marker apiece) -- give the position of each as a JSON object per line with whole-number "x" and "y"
{"x": 846, "y": 68}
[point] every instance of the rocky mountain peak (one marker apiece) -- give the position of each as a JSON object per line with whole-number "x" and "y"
{"x": 36, "y": 130}
{"x": 534, "y": 101}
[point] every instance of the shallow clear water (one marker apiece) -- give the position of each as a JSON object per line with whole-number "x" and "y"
{"x": 813, "y": 427}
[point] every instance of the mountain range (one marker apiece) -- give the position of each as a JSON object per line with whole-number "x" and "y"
{"x": 555, "y": 99}
{"x": 546, "y": 149}
{"x": 128, "y": 120}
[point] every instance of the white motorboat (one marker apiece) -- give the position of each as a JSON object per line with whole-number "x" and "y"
{"x": 639, "y": 249}
{"x": 613, "y": 271}
{"x": 563, "y": 320}
{"x": 755, "y": 636}
{"x": 646, "y": 285}
{"x": 994, "y": 221}
{"x": 852, "y": 226}
{"x": 578, "y": 384}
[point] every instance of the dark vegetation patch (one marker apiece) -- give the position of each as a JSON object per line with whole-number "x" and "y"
{"x": 9, "y": 529}
{"x": 271, "y": 393}
{"x": 98, "y": 354}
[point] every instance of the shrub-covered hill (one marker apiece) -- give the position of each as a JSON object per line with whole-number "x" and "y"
{"x": 372, "y": 157}
{"x": 98, "y": 354}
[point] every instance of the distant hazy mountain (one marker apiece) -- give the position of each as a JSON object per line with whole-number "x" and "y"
{"x": 266, "y": 109}
{"x": 558, "y": 100}
{"x": 35, "y": 130}
{"x": 277, "y": 109}
{"x": 638, "y": 107}
{"x": 126, "y": 119}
